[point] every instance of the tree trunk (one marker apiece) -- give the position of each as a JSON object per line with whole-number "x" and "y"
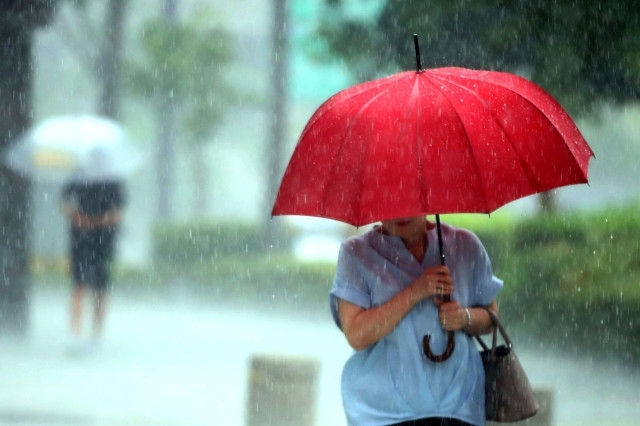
{"x": 110, "y": 65}
{"x": 17, "y": 22}
{"x": 165, "y": 159}
{"x": 547, "y": 202}
{"x": 200, "y": 173}
{"x": 279, "y": 122}
{"x": 166, "y": 134}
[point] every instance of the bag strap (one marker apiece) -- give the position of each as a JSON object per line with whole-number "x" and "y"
{"x": 497, "y": 326}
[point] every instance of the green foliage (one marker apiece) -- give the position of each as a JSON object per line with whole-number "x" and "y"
{"x": 271, "y": 280}
{"x": 227, "y": 261}
{"x": 548, "y": 230}
{"x": 581, "y": 53}
{"x": 189, "y": 63}
{"x": 572, "y": 280}
{"x": 189, "y": 244}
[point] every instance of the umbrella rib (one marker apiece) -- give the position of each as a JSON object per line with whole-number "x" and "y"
{"x": 537, "y": 188}
{"x": 532, "y": 181}
{"x": 564, "y": 146}
{"x": 344, "y": 141}
{"x": 530, "y": 178}
{"x": 468, "y": 141}
{"x": 325, "y": 110}
{"x": 418, "y": 139}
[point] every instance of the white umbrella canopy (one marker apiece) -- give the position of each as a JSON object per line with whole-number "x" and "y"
{"x": 83, "y": 147}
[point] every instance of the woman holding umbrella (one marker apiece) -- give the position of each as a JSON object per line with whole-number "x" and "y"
{"x": 438, "y": 141}
{"x": 386, "y": 297}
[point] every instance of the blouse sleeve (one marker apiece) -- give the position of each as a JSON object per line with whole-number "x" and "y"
{"x": 349, "y": 283}
{"x": 487, "y": 285}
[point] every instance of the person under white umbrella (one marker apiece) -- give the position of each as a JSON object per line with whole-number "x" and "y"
{"x": 91, "y": 158}
{"x": 92, "y": 202}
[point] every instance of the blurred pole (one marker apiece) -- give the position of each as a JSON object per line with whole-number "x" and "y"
{"x": 18, "y": 21}
{"x": 111, "y": 60}
{"x": 166, "y": 135}
{"x": 547, "y": 202}
{"x": 279, "y": 117}
{"x": 282, "y": 391}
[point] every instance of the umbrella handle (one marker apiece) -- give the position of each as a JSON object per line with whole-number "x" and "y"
{"x": 446, "y": 298}
{"x": 447, "y": 352}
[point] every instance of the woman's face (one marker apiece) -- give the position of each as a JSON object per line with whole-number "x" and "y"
{"x": 408, "y": 228}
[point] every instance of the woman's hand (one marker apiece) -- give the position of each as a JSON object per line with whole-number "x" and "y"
{"x": 82, "y": 221}
{"x": 453, "y": 317}
{"x": 434, "y": 282}
{"x": 363, "y": 327}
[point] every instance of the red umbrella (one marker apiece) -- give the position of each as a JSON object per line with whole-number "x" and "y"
{"x": 443, "y": 140}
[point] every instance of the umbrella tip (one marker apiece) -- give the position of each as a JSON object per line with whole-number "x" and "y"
{"x": 416, "y": 45}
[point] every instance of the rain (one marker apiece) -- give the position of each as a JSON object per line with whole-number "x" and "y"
{"x": 217, "y": 311}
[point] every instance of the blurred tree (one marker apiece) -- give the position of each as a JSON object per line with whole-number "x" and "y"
{"x": 18, "y": 21}
{"x": 584, "y": 53}
{"x": 188, "y": 62}
{"x": 97, "y": 45}
{"x": 111, "y": 60}
{"x": 279, "y": 79}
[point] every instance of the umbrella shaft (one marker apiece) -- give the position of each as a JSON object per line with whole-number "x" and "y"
{"x": 440, "y": 245}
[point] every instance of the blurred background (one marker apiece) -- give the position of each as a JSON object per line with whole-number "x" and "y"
{"x": 214, "y": 95}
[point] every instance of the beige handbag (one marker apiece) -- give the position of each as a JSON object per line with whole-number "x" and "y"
{"x": 508, "y": 393}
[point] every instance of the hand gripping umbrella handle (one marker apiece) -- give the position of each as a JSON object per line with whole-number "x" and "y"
{"x": 445, "y": 298}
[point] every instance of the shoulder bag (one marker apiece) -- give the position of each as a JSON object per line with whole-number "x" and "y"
{"x": 508, "y": 393}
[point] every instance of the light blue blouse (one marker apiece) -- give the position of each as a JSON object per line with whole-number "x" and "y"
{"x": 392, "y": 380}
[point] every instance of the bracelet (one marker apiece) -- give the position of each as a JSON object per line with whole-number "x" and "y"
{"x": 466, "y": 327}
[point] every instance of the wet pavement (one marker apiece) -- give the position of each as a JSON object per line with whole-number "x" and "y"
{"x": 183, "y": 362}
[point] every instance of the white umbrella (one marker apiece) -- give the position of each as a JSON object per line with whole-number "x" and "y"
{"x": 82, "y": 147}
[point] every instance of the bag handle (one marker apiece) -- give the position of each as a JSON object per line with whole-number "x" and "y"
{"x": 497, "y": 326}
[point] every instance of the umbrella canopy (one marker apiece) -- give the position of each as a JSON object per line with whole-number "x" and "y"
{"x": 75, "y": 147}
{"x": 444, "y": 140}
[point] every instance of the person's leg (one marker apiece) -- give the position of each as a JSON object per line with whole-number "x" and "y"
{"x": 99, "y": 310}
{"x": 103, "y": 250}
{"x": 78, "y": 257}
{"x": 77, "y": 301}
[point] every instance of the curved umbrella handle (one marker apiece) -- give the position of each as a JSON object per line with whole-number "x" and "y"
{"x": 447, "y": 352}
{"x": 451, "y": 344}
{"x": 446, "y": 298}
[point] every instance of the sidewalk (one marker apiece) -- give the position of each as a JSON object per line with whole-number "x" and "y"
{"x": 180, "y": 363}
{"x": 159, "y": 364}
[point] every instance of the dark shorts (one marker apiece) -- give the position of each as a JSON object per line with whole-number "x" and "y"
{"x": 91, "y": 256}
